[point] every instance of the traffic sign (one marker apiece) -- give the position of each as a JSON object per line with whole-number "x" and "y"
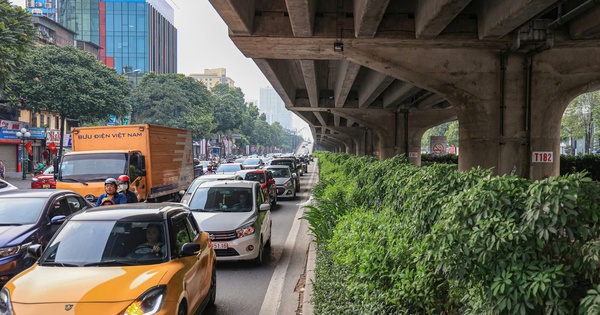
{"x": 439, "y": 148}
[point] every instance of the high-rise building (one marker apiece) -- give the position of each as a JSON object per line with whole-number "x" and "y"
{"x": 137, "y": 36}
{"x": 212, "y": 77}
{"x": 42, "y": 8}
{"x": 272, "y": 105}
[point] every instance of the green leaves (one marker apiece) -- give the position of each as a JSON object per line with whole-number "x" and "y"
{"x": 71, "y": 83}
{"x": 17, "y": 35}
{"x": 432, "y": 240}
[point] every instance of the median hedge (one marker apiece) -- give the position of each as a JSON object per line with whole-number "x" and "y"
{"x": 398, "y": 239}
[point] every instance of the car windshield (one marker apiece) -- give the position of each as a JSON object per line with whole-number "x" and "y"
{"x": 251, "y": 161}
{"x": 18, "y": 211}
{"x": 286, "y": 163}
{"x": 280, "y": 172}
{"x": 107, "y": 243}
{"x": 93, "y": 166}
{"x": 257, "y": 177}
{"x": 49, "y": 171}
{"x": 222, "y": 199}
{"x": 228, "y": 168}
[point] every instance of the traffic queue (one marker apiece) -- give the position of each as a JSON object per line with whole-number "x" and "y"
{"x": 127, "y": 248}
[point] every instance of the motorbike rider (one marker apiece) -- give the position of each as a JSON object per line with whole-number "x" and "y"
{"x": 124, "y": 184}
{"x": 110, "y": 186}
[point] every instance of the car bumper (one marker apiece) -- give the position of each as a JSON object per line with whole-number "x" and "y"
{"x": 237, "y": 249}
{"x": 285, "y": 191}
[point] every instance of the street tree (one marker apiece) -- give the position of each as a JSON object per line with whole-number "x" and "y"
{"x": 579, "y": 119}
{"x": 174, "y": 100}
{"x": 17, "y": 35}
{"x": 71, "y": 83}
{"x": 232, "y": 114}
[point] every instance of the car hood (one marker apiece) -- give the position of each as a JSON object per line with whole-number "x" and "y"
{"x": 44, "y": 177}
{"x": 84, "y": 284}
{"x": 12, "y": 232}
{"x": 282, "y": 180}
{"x": 222, "y": 221}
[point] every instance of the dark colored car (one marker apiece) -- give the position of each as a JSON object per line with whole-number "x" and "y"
{"x": 266, "y": 180}
{"x": 293, "y": 165}
{"x": 31, "y": 216}
{"x": 44, "y": 180}
{"x": 198, "y": 168}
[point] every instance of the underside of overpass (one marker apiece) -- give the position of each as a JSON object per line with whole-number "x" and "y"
{"x": 371, "y": 76}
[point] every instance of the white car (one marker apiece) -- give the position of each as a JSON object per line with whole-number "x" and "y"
{"x": 6, "y": 186}
{"x": 239, "y": 229}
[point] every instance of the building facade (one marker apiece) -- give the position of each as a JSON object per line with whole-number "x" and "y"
{"x": 212, "y": 77}
{"x": 136, "y": 35}
{"x": 272, "y": 105}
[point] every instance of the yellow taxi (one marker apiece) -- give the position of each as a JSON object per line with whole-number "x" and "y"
{"x": 124, "y": 259}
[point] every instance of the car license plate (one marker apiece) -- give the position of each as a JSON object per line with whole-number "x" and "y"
{"x": 46, "y": 186}
{"x": 220, "y": 245}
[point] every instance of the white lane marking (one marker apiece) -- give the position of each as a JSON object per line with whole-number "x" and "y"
{"x": 272, "y": 299}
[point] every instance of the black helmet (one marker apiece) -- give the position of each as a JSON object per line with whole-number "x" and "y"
{"x": 111, "y": 181}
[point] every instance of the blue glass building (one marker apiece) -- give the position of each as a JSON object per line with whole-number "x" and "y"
{"x": 137, "y": 36}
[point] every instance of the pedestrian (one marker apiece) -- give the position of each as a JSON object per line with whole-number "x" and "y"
{"x": 124, "y": 184}
{"x": 110, "y": 186}
{"x": 2, "y": 169}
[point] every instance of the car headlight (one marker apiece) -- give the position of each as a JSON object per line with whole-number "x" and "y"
{"x": 9, "y": 251}
{"x": 5, "y": 306}
{"x": 288, "y": 184}
{"x": 245, "y": 230}
{"x": 34, "y": 180}
{"x": 148, "y": 303}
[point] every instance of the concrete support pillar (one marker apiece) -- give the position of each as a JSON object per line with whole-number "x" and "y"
{"x": 507, "y": 111}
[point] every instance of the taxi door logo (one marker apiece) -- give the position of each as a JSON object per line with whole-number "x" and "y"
{"x": 68, "y": 307}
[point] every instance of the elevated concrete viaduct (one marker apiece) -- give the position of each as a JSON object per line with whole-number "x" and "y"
{"x": 371, "y": 76}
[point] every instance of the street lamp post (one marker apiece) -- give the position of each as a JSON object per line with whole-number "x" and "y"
{"x": 23, "y": 135}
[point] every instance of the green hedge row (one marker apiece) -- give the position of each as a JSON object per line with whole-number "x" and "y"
{"x": 397, "y": 239}
{"x": 569, "y": 164}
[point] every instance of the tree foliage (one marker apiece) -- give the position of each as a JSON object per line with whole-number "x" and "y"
{"x": 16, "y": 39}
{"x": 579, "y": 119}
{"x": 174, "y": 100}
{"x": 71, "y": 83}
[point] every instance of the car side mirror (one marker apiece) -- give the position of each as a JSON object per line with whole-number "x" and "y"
{"x": 271, "y": 181}
{"x": 181, "y": 192}
{"x": 58, "y": 219}
{"x": 264, "y": 207}
{"x": 190, "y": 249}
{"x": 34, "y": 250}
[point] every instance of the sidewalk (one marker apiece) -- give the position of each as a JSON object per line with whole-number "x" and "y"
{"x": 16, "y": 178}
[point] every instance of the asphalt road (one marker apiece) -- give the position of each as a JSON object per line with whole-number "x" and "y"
{"x": 274, "y": 287}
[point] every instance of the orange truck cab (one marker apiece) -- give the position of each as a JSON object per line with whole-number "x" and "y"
{"x": 157, "y": 159}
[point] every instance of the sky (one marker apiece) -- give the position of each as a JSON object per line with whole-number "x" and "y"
{"x": 204, "y": 43}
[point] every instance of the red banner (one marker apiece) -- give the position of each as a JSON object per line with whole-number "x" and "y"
{"x": 52, "y": 147}
{"x": 28, "y": 148}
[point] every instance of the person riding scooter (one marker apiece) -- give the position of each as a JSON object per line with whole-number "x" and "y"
{"x": 124, "y": 184}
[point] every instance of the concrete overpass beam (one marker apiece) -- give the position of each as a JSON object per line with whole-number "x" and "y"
{"x": 367, "y": 16}
{"x": 277, "y": 73}
{"x": 345, "y": 77}
{"x": 302, "y": 16}
{"x": 371, "y": 88}
{"x": 309, "y": 71}
{"x": 237, "y": 14}
{"x": 500, "y": 17}
{"x": 432, "y": 16}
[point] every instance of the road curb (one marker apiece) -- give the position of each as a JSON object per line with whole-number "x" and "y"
{"x": 307, "y": 305}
